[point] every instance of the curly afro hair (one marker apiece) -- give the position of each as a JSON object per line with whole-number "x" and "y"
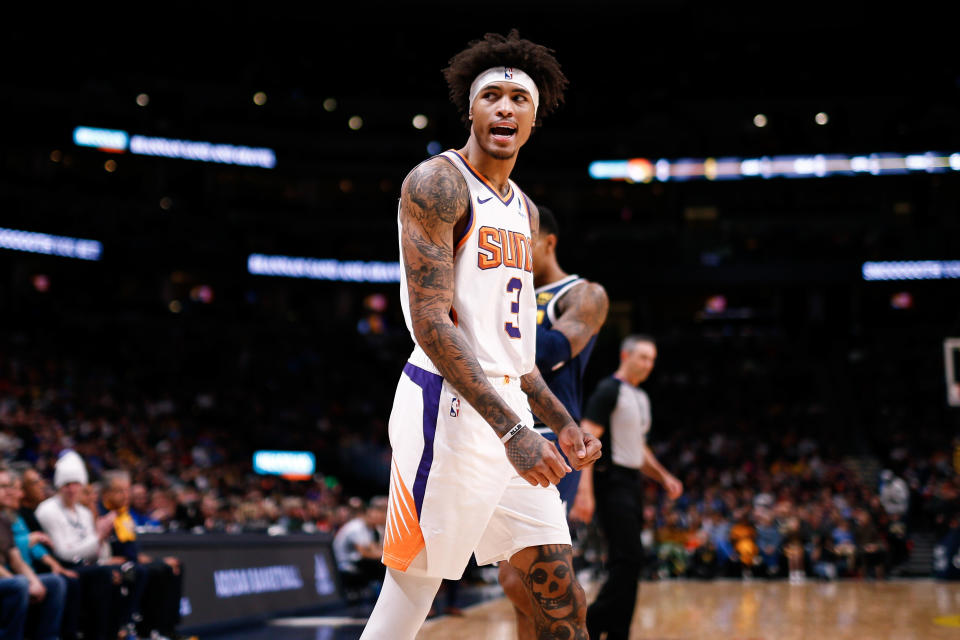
{"x": 494, "y": 50}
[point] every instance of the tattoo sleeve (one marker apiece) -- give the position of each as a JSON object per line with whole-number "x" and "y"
{"x": 583, "y": 310}
{"x": 544, "y": 404}
{"x": 433, "y": 198}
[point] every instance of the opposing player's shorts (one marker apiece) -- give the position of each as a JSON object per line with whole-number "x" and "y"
{"x": 452, "y": 490}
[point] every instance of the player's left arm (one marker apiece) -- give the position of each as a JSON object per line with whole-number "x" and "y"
{"x": 580, "y": 447}
{"x": 657, "y": 472}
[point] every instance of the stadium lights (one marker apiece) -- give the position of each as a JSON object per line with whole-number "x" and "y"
{"x": 912, "y": 270}
{"x": 809, "y": 166}
{"x": 316, "y": 269}
{"x": 117, "y": 141}
{"x": 44, "y": 243}
{"x": 284, "y": 463}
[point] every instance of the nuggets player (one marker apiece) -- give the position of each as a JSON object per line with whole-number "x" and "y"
{"x": 570, "y": 312}
{"x": 468, "y": 474}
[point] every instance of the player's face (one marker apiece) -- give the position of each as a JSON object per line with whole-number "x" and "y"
{"x": 503, "y": 116}
{"x": 641, "y": 359}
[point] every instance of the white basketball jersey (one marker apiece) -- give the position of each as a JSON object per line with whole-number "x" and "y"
{"x": 494, "y": 304}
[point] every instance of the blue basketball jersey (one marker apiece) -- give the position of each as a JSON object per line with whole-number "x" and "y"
{"x": 566, "y": 379}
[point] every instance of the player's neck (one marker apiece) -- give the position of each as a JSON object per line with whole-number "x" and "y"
{"x": 550, "y": 274}
{"x": 495, "y": 170}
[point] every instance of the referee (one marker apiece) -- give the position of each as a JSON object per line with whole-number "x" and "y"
{"x": 618, "y": 413}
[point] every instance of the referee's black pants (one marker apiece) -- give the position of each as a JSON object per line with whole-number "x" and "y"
{"x": 618, "y": 492}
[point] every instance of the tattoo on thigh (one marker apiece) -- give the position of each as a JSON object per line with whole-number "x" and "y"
{"x": 559, "y": 605}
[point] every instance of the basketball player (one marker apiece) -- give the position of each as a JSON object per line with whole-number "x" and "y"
{"x": 619, "y": 413}
{"x": 468, "y": 474}
{"x": 570, "y": 312}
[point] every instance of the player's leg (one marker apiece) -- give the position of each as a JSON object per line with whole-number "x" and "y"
{"x": 557, "y": 600}
{"x": 512, "y": 582}
{"x": 402, "y": 606}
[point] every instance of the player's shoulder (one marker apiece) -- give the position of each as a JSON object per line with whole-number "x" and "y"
{"x": 585, "y": 295}
{"x": 435, "y": 184}
{"x": 434, "y": 172}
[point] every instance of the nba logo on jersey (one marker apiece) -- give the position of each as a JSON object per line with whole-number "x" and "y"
{"x": 508, "y": 73}
{"x": 455, "y": 407}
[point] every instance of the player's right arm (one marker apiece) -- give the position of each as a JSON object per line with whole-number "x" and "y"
{"x": 433, "y": 199}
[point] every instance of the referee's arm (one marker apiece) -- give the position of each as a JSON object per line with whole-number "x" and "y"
{"x": 658, "y": 473}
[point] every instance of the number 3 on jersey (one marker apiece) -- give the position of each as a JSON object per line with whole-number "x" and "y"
{"x": 512, "y": 329}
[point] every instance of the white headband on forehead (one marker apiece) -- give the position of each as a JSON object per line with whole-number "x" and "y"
{"x": 506, "y": 74}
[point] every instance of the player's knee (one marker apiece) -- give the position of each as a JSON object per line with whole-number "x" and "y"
{"x": 557, "y": 594}
{"x": 510, "y": 580}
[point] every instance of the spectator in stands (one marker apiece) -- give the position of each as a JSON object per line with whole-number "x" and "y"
{"x": 894, "y": 493}
{"x": 46, "y": 593}
{"x": 357, "y": 547}
{"x": 90, "y": 496}
{"x": 743, "y": 536}
{"x": 155, "y": 599}
{"x": 870, "y": 544}
{"x": 35, "y": 491}
{"x": 77, "y": 541}
{"x": 140, "y": 509}
{"x": 844, "y": 546}
{"x": 768, "y": 542}
{"x": 794, "y": 548}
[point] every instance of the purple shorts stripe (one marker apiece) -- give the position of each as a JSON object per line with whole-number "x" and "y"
{"x": 430, "y": 385}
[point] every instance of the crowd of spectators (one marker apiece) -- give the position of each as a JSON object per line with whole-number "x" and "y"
{"x": 781, "y": 510}
{"x": 770, "y": 488}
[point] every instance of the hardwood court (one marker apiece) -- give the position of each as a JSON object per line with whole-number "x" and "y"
{"x": 733, "y": 610}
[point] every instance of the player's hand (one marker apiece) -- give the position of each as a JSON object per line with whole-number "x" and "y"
{"x": 535, "y": 458}
{"x": 673, "y": 486}
{"x": 580, "y": 447}
{"x": 583, "y": 507}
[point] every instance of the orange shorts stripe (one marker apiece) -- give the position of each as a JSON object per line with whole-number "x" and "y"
{"x": 402, "y": 540}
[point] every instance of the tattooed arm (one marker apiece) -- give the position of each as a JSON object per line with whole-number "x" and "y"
{"x": 582, "y": 311}
{"x": 433, "y": 200}
{"x": 580, "y": 447}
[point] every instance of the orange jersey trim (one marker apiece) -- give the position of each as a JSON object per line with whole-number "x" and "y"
{"x": 402, "y": 539}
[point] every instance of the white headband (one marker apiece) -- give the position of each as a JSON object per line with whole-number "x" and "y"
{"x": 506, "y": 74}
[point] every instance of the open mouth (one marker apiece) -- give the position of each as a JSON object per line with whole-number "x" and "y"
{"x": 503, "y": 131}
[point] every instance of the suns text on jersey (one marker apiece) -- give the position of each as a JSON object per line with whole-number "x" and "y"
{"x": 498, "y": 247}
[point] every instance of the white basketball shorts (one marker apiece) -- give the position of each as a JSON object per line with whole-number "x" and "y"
{"x": 452, "y": 490}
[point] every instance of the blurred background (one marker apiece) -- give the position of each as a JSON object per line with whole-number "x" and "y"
{"x": 782, "y": 370}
